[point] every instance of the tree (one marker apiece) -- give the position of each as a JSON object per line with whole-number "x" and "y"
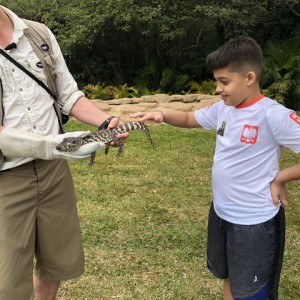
{"x": 119, "y": 41}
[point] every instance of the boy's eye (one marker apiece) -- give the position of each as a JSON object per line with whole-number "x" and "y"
{"x": 224, "y": 82}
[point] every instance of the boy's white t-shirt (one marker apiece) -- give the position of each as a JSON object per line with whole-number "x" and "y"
{"x": 248, "y": 146}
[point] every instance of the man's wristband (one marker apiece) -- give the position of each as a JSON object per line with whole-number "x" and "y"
{"x": 105, "y": 124}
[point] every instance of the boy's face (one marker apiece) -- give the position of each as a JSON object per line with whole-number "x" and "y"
{"x": 235, "y": 88}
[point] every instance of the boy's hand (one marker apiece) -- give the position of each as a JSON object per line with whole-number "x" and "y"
{"x": 156, "y": 116}
{"x": 279, "y": 193}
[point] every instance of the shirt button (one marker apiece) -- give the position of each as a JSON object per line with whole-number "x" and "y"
{"x": 21, "y": 90}
{"x": 28, "y": 108}
{"x": 13, "y": 70}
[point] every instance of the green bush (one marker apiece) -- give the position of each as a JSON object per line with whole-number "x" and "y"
{"x": 205, "y": 87}
{"x": 98, "y": 91}
{"x": 281, "y": 77}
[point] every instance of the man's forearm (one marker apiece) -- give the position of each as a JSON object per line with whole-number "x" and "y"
{"x": 87, "y": 112}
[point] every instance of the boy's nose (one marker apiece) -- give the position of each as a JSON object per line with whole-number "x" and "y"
{"x": 218, "y": 90}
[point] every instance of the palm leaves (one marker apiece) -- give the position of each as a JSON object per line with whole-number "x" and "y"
{"x": 281, "y": 77}
{"x": 99, "y": 91}
{"x": 205, "y": 87}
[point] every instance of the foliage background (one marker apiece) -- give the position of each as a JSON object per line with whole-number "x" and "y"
{"x": 161, "y": 45}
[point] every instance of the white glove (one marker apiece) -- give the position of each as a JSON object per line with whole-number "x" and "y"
{"x": 17, "y": 143}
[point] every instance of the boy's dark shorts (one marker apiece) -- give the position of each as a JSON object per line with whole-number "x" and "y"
{"x": 249, "y": 255}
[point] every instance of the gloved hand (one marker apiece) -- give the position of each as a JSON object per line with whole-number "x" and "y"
{"x": 17, "y": 143}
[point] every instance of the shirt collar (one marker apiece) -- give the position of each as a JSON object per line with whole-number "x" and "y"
{"x": 250, "y": 103}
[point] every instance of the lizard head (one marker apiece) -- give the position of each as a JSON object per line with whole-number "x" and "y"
{"x": 69, "y": 144}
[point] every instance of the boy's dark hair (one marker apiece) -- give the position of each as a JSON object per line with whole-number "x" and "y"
{"x": 240, "y": 54}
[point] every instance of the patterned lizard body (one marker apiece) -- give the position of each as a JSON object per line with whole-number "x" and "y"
{"x": 105, "y": 136}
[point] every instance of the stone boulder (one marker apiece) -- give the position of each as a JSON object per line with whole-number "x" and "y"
{"x": 123, "y": 107}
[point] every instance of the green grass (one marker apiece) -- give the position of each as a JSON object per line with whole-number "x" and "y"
{"x": 144, "y": 219}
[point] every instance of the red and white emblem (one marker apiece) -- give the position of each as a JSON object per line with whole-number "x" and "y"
{"x": 295, "y": 118}
{"x": 249, "y": 134}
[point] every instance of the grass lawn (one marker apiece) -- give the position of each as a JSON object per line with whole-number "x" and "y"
{"x": 144, "y": 219}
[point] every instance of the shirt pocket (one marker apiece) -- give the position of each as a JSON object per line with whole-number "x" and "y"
{"x": 35, "y": 66}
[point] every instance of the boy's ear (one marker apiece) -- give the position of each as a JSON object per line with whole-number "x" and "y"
{"x": 251, "y": 78}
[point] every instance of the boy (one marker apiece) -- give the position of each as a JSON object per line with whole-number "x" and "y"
{"x": 245, "y": 230}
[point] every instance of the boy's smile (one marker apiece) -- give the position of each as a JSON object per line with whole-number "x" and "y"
{"x": 235, "y": 88}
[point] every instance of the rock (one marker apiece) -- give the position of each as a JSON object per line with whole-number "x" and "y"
{"x": 123, "y": 107}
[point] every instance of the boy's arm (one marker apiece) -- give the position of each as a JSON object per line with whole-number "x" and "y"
{"x": 289, "y": 174}
{"x": 278, "y": 187}
{"x": 175, "y": 118}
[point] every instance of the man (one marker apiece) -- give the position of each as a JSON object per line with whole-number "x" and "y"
{"x": 38, "y": 214}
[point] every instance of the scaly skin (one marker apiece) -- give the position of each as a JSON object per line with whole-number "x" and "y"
{"x": 105, "y": 136}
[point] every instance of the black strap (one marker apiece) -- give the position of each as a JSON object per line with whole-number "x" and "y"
{"x": 1, "y": 108}
{"x": 41, "y": 83}
{"x": 105, "y": 124}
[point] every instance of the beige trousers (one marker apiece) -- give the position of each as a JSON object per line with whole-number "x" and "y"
{"x": 38, "y": 218}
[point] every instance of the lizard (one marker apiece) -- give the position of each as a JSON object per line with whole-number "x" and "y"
{"x": 105, "y": 136}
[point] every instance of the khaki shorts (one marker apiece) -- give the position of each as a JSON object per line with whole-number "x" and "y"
{"x": 38, "y": 218}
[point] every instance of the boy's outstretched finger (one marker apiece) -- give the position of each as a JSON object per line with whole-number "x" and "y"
{"x": 140, "y": 115}
{"x": 156, "y": 116}
{"x": 137, "y": 114}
